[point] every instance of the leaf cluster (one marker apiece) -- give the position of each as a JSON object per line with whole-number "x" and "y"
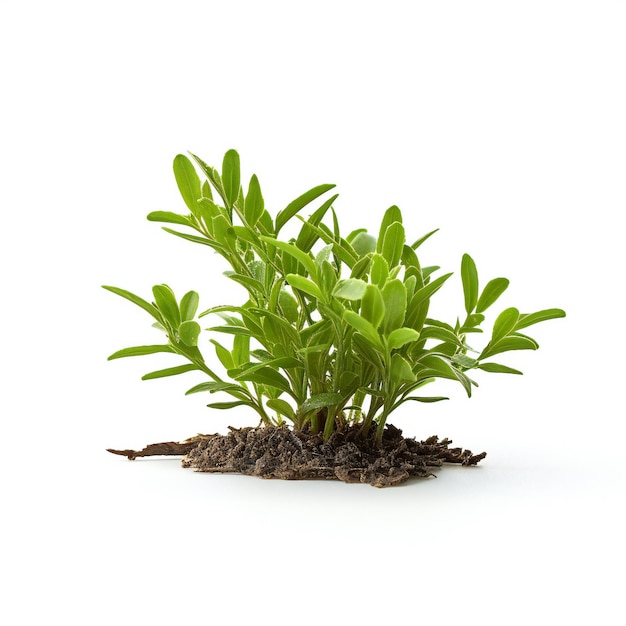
{"x": 334, "y": 329}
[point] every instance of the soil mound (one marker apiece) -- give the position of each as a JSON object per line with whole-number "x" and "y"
{"x": 279, "y": 452}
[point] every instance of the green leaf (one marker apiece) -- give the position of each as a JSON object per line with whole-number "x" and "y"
{"x": 139, "y": 351}
{"x": 350, "y": 289}
{"x": 188, "y": 332}
{"x": 393, "y": 244}
{"x": 394, "y": 298}
{"x": 213, "y": 387}
{"x": 169, "y": 218}
{"x": 400, "y": 337}
{"x": 392, "y": 214}
{"x": 170, "y": 371}
{"x": 304, "y": 284}
{"x": 189, "y": 305}
{"x": 283, "y": 407}
{"x": 298, "y": 204}
{"x": 363, "y": 244}
{"x": 251, "y": 284}
{"x": 288, "y": 306}
{"x": 146, "y": 306}
{"x": 364, "y": 327}
{"x": 505, "y": 323}
{"x": 188, "y": 182}
{"x": 379, "y": 271}
{"x": 496, "y": 367}
{"x": 469, "y": 276}
{"x": 508, "y": 344}
{"x": 401, "y": 370}
{"x": 492, "y": 291}
{"x": 426, "y": 292}
{"x": 267, "y": 376}
{"x": 308, "y": 235}
{"x": 228, "y": 405}
{"x": 231, "y": 176}
{"x": 528, "y": 319}
{"x": 319, "y": 401}
{"x": 299, "y": 255}
{"x": 441, "y": 334}
{"x": 421, "y": 240}
{"x": 241, "y": 349}
{"x": 254, "y": 204}
{"x": 224, "y": 355}
{"x": 373, "y": 306}
{"x": 166, "y": 303}
{"x": 193, "y": 238}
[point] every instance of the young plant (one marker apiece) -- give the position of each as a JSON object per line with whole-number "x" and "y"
{"x": 335, "y": 330}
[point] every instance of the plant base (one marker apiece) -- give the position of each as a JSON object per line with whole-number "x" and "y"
{"x": 279, "y": 452}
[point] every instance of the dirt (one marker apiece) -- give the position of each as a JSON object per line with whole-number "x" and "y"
{"x": 279, "y": 452}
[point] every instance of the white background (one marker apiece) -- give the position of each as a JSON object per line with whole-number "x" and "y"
{"x": 502, "y": 123}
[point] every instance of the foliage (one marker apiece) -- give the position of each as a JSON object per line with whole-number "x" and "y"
{"x": 335, "y": 329}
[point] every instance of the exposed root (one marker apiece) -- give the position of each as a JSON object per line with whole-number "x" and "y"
{"x": 167, "y": 448}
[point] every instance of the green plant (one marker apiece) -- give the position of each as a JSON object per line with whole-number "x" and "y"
{"x": 334, "y": 330}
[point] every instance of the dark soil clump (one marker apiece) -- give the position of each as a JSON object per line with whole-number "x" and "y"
{"x": 279, "y": 452}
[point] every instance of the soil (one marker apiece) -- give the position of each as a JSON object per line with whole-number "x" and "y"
{"x": 279, "y": 452}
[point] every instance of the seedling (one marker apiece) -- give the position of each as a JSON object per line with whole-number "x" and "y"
{"x": 334, "y": 334}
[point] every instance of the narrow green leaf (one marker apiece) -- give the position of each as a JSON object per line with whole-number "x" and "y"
{"x": 319, "y": 401}
{"x": 213, "y": 387}
{"x": 139, "y": 351}
{"x": 505, "y": 323}
{"x": 496, "y": 367}
{"x": 304, "y": 284}
{"x": 350, "y": 289}
{"x": 400, "y": 337}
{"x": 427, "y": 291}
{"x": 254, "y": 204}
{"x": 211, "y": 174}
{"x": 441, "y": 334}
{"x": 231, "y": 176}
{"x": 528, "y": 319}
{"x": 228, "y": 405}
{"x": 373, "y": 306}
{"x": 492, "y": 291}
{"x": 188, "y": 182}
{"x": 393, "y": 244}
{"x": 166, "y": 303}
{"x": 224, "y": 355}
{"x": 146, "y": 306}
{"x": 364, "y": 327}
{"x": 298, "y": 204}
{"x": 169, "y": 218}
{"x": 308, "y": 235}
{"x": 231, "y": 330}
{"x": 251, "y": 284}
{"x": 421, "y": 240}
{"x": 299, "y": 255}
{"x": 469, "y": 276}
{"x": 394, "y": 298}
{"x": 170, "y": 371}
{"x": 392, "y": 214}
{"x": 188, "y": 332}
{"x": 189, "y": 305}
{"x": 508, "y": 344}
{"x": 193, "y": 238}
